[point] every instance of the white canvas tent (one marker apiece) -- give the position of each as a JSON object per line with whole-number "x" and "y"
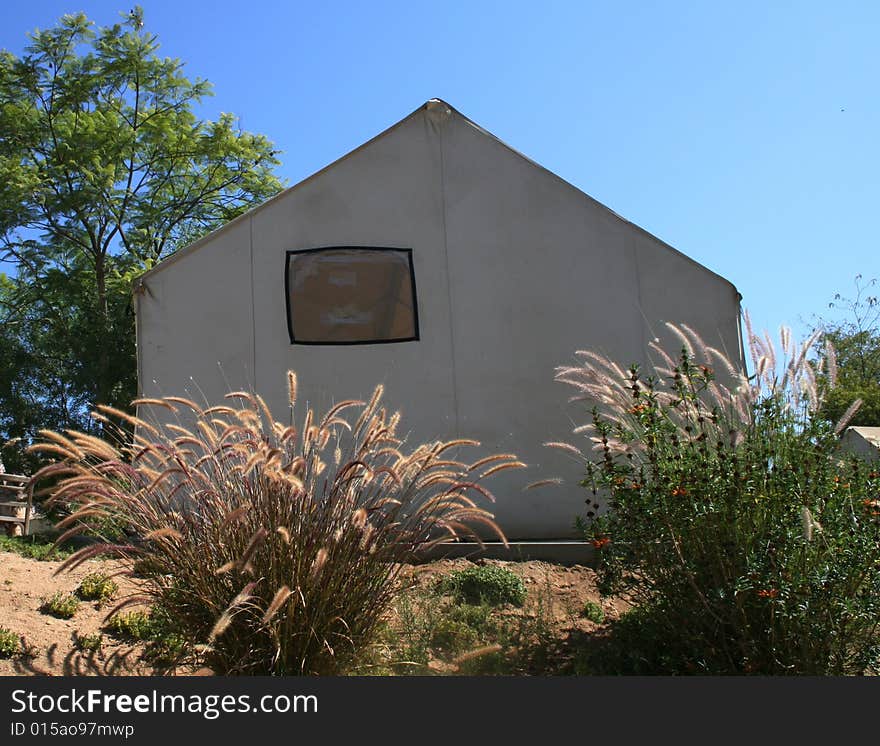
{"x": 440, "y": 262}
{"x": 862, "y": 441}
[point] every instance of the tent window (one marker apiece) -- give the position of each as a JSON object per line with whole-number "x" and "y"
{"x": 351, "y": 295}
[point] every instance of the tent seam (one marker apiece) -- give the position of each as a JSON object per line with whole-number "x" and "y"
{"x": 253, "y": 305}
{"x": 448, "y": 279}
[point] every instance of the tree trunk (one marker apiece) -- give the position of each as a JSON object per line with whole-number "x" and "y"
{"x": 102, "y": 394}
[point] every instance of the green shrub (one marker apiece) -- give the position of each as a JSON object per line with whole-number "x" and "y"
{"x": 593, "y": 612}
{"x": 88, "y": 643}
{"x": 639, "y": 644}
{"x": 485, "y": 584}
{"x": 748, "y": 540}
{"x": 276, "y": 549}
{"x": 132, "y": 626}
{"x": 453, "y": 636}
{"x": 164, "y": 643}
{"x": 478, "y": 618}
{"x": 61, "y": 605}
{"x": 10, "y": 643}
{"x": 97, "y": 586}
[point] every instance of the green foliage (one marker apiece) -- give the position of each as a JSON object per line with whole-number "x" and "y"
{"x": 452, "y": 635}
{"x": 109, "y": 526}
{"x": 409, "y": 642}
{"x": 165, "y": 644}
{"x": 34, "y": 546}
{"x": 88, "y": 643}
{"x": 593, "y": 612}
{"x": 485, "y": 584}
{"x": 133, "y": 626}
{"x": 105, "y": 169}
{"x": 468, "y": 639}
{"x": 61, "y": 605}
{"x": 10, "y": 644}
{"x": 479, "y": 618}
{"x": 97, "y": 586}
{"x": 840, "y": 399}
{"x": 639, "y": 644}
{"x": 748, "y": 542}
{"x": 855, "y": 341}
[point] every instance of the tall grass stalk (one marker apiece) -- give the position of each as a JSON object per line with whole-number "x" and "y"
{"x": 273, "y": 548}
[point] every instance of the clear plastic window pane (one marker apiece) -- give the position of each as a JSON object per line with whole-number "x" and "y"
{"x": 350, "y": 296}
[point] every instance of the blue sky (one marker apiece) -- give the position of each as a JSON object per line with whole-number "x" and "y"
{"x": 744, "y": 134}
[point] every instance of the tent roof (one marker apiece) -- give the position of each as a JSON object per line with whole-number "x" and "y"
{"x": 434, "y": 105}
{"x": 870, "y": 434}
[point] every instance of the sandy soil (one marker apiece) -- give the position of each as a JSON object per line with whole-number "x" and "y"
{"x": 25, "y": 584}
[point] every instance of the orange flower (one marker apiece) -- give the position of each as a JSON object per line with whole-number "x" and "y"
{"x": 768, "y": 593}
{"x": 601, "y": 542}
{"x": 678, "y": 491}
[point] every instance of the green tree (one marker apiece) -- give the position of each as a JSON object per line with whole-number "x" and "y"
{"x": 105, "y": 169}
{"x": 856, "y": 342}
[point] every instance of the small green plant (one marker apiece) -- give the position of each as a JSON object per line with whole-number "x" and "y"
{"x": 164, "y": 645}
{"x": 478, "y": 618}
{"x": 168, "y": 649}
{"x": 593, "y": 612}
{"x": 131, "y": 626}
{"x": 97, "y": 586}
{"x": 61, "y": 605}
{"x": 408, "y": 644}
{"x": 484, "y": 584}
{"x": 88, "y": 643}
{"x": 452, "y": 636}
{"x": 10, "y": 643}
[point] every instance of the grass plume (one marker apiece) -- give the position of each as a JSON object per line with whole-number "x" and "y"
{"x": 274, "y": 550}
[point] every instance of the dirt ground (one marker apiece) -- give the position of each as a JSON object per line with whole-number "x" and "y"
{"x": 50, "y": 642}
{"x": 24, "y": 585}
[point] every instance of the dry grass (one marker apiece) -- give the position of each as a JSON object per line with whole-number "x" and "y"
{"x": 273, "y": 548}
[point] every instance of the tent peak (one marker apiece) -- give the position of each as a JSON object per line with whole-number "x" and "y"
{"x": 437, "y": 109}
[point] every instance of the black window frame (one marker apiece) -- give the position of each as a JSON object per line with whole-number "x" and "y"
{"x": 288, "y": 300}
